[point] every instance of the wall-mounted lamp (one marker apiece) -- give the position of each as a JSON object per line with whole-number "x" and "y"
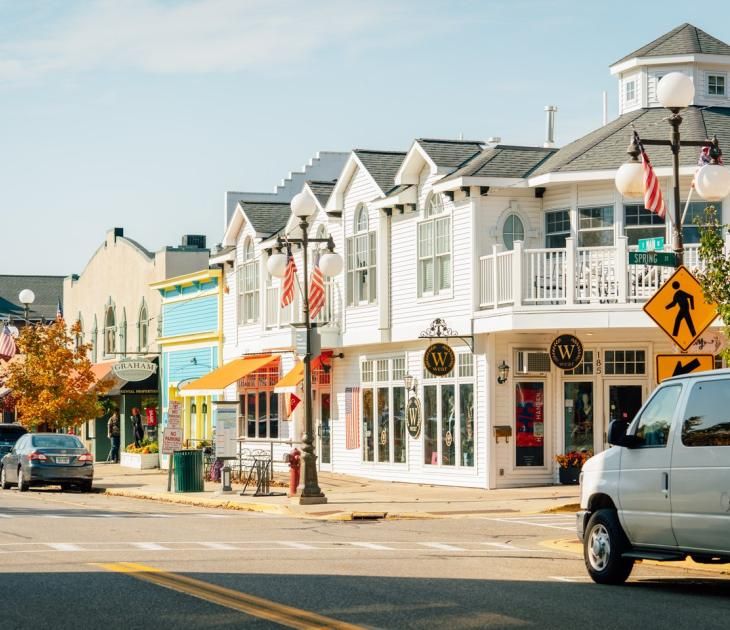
{"x": 411, "y": 383}
{"x": 503, "y": 370}
{"x": 193, "y": 409}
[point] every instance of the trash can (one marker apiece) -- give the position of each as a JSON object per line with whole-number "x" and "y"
{"x": 188, "y": 469}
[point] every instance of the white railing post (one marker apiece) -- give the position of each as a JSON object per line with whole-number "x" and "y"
{"x": 517, "y": 255}
{"x": 495, "y": 279}
{"x": 622, "y": 271}
{"x": 727, "y": 243}
{"x": 570, "y": 271}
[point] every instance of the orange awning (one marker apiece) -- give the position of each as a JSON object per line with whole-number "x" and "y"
{"x": 103, "y": 372}
{"x": 295, "y": 376}
{"x": 220, "y": 378}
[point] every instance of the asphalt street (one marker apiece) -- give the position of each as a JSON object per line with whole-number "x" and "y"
{"x": 70, "y": 560}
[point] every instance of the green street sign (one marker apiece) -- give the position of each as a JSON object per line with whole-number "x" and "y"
{"x": 651, "y": 244}
{"x": 661, "y": 259}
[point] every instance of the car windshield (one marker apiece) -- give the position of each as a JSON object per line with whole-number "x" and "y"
{"x": 56, "y": 441}
{"x": 10, "y": 436}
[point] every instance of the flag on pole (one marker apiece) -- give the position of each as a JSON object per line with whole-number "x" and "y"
{"x": 316, "y": 290}
{"x": 287, "y": 286}
{"x": 653, "y": 199}
{"x": 705, "y": 158}
{"x": 7, "y": 344}
{"x": 59, "y": 310}
{"x": 352, "y": 417}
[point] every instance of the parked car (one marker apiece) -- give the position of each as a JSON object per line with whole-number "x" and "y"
{"x": 9, "y": 435}
{"x": 662, "y": 492}
{"x": 39, "y": 459}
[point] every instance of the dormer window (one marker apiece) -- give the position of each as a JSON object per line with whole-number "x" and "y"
{"x": 631, "y": 91}
{"x": 716, "y": 85}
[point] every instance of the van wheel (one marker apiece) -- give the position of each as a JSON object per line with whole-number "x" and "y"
{"x": 603, "y": 545}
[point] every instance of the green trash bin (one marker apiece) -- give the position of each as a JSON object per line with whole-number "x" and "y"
{"x": 188, "y": 469}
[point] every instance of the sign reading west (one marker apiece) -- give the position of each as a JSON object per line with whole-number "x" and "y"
{"x": 439, "y": 359}
{"x": 679, "y": 308}
{"x": 566, "y": 351}
{"x": 668, "y": 365}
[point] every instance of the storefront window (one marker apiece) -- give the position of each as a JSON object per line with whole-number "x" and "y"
{"x": 466, "y": 412}
{"x": 530, "y": 423}
{"x": 367, "y": 424}
{"x": 448, "y": 425}
{"x": 399, "y": 425}
{"x": 430, "y": 424}
{"x": 578, "y": 416}
{"x": 383, "y": 425}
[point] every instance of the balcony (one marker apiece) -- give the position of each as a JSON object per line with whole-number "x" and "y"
{"x": 571, "y": 276}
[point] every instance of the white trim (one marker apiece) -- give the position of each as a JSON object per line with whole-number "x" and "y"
{"x": 415, "y": 150}
{"x": 410, "y": 195}
{"x": 494, "y": 182}
{"x": 587, "y": 176}
{"x": 663, "y": 60}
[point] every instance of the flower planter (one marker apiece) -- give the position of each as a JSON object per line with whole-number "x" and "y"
{"x": 141, "y": 461}
{"x": 569, "y": 476}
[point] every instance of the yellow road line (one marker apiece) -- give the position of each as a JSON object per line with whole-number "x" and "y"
{"x": 250, "y": 604}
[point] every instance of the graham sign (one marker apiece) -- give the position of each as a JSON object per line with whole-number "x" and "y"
{"x": 134, "y": 369}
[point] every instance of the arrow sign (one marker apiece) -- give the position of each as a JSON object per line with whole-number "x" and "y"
{"x": 668, "y": 365}
{"x": 687, "y": 368}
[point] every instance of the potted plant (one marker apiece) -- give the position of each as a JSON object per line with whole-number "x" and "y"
{"x": 571, "y": 464}
{"x": 142, "y": 457}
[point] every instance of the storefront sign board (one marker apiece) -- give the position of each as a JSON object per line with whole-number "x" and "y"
{"x": 668, "y": 365}
{"x": 439, "y": 359}
{"x": 134, "y": 369}
{"x": 413, "y": 417}
{"x": 226, "y": 417}
{"x": 680, "y": 310}
{"x": 566, "y": 352}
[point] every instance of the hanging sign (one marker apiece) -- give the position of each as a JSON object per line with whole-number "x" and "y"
{"x": 566, "y": 352}
{"x": 413, "y": 417}
{"x": 439, "y": 359}
{"x": 134, "y": 369}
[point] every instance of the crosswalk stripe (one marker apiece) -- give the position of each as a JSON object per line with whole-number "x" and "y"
{"x": 442, "y": 546}
{"x": 296, "y": 545}
{"x": 65, "y": 547}
{"x": 150, "y": 546}
{"x": 375, "y": 546}
{"x": 217, "y": 545}
{"x": 499, "y": 545}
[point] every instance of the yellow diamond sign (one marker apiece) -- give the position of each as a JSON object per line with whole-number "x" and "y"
{"x": 680, "y": 310}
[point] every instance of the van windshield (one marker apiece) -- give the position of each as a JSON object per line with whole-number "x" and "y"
{"x": 10, "y": 435}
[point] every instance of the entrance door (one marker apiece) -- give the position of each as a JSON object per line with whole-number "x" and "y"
{"x": 324, "y": 431}
{"x": 622, "y": 402}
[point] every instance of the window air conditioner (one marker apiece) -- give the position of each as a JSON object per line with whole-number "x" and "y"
{"x": 532, "y": 362}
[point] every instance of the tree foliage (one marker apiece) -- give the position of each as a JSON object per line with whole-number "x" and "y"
{"x": 715, "y": 278}
{"x": 52, "y": 378}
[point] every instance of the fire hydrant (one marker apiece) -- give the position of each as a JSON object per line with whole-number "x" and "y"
{"x": 295, "y": 464}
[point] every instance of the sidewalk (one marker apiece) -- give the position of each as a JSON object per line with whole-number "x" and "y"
{"x": 348, "y": 497}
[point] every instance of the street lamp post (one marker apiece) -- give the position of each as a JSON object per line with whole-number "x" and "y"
{"x": 26, "y": 297}
{"x": 712, "y": 182}
{"x": 330, "y": 263}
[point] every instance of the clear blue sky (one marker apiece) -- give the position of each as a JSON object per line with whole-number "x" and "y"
{"x": 141, "y": 113}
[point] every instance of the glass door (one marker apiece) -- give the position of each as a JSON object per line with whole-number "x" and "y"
{"x": 622, "y": 402}
{"x": 324, "y": 431}
{"x": 578, "y": 402}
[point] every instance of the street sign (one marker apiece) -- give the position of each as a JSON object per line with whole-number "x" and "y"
{"x": 661, "y": 259}
{"x": 172, "y": 435}
{"x": 651, "y": 244}
{"x": 676, "y": 364}
{"x": 679, "y": 308}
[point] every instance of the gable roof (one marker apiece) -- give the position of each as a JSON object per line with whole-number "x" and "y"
{"x": 450, "y": 153}
{"x": 48, "y": 291}
{"x": 266, "y": 218}
{"x": 605, "y": 148}
{"x": 686, "y": 39}
{"x": 382, "y": 165}
{"x": 322, "y": 190}
{"x": 503, "y": 161}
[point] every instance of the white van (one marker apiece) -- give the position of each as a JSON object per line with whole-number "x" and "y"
{"x": 662, "y": 492}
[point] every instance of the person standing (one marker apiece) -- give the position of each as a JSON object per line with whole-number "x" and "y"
{"x": 137, "y": 427}
{"x": 114, "y": 432}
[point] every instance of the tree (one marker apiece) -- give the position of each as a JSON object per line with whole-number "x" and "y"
{"x": 716, "y": 274}
{"x": 53, "y": 382}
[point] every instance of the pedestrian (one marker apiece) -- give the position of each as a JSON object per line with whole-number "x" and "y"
{"x": 137, "y": 427}
{"x": 114, "y": 431}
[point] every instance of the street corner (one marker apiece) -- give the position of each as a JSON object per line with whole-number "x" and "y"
{"x": 565, "y": 545}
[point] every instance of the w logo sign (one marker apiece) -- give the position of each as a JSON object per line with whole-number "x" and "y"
{"x": 439, "y": 359}
{"x": 413, "y": 414}
{"x": 566, "y": 351}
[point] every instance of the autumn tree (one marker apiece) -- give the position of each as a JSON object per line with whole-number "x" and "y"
{"x": 52, "y": 383}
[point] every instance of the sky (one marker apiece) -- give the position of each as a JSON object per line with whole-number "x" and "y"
{"x": 141, "y": 113}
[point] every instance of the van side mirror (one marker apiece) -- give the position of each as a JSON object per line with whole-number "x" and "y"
{"x": 617, "y": 435}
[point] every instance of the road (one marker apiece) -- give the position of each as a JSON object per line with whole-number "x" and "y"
{"x": 72, "y": 560}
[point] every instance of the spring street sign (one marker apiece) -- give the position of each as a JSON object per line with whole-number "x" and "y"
{"x": 661, "y": 259}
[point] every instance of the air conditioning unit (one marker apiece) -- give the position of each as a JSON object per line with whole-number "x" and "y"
{"x": 532, "y": 362}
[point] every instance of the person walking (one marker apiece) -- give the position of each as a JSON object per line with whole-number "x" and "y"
{"x": 137, "y": 427}
{"x": 114, "y": 432}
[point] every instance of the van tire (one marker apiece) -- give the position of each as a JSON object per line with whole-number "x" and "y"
{"x": 603, "y": 545}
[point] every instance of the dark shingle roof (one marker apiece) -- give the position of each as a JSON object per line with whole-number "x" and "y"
{"x": 450, "y": 153}
{"x": 266, "y": 218}
{"x": 382, "y": 165}
{"x": 503, "y": 161}
{"x": 605, "y": 148}
{"x": 322, "y": 190}
{"x": 48, "y": 291}
{"x": 683, "y": 40}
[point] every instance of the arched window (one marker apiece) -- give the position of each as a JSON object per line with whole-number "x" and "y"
{"x": 94, "y": 341}
{"x": 248, "y": 286}
{"x": 123, "y": 333}
{"x": 361, "y": 258}
{"x": 512, "y": 230}
{"x": 143, "y": 325}
{"x": 434, "y": 248}
{"x": 79, "y": 336}
{"x": 110, "y": 330}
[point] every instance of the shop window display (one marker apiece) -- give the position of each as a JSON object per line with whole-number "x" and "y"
{"x": 578, "y": 414}
{"x": 530, "y": 423}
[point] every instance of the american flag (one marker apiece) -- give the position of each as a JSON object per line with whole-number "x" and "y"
{"x": 705, "y": 157}
{"x": 7, "y": 344}
{"x": 352, "y": 417}
{"x": 287, "y": 287}
{"x": 316, "y": 290}
{"x": 59, "y": 310}
{"x": 653, "y": 199}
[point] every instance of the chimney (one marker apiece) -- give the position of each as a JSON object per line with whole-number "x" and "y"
{"x": 550, "y": 126}
{"x": 493, "y": 140}
{"x": 194, "y": 240}
{"x": 605, "y": 108}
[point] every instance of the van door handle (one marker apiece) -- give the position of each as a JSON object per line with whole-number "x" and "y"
{"x": 665, "y": 484}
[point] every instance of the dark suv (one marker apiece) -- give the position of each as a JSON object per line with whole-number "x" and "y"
{"x": 9, "y": 434}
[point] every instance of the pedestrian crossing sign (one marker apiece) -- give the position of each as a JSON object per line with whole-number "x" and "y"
{"x": 668, "y": 365}
{"x": 680, "y": 310}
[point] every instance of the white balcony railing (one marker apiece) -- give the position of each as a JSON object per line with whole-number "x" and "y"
{"x": 277, "y": 317}
{"x": 571, "y": 275}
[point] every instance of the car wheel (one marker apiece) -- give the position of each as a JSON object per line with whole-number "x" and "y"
{"x": 65, "y": 487}
{"x": 85, "y": 486}
{"x": 603, "y": 546}
{"x": 3, "y": 482}
{"x": 22, "y": 483}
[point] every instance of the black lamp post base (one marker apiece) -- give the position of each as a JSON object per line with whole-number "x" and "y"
{"x": 315, "y": 500}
